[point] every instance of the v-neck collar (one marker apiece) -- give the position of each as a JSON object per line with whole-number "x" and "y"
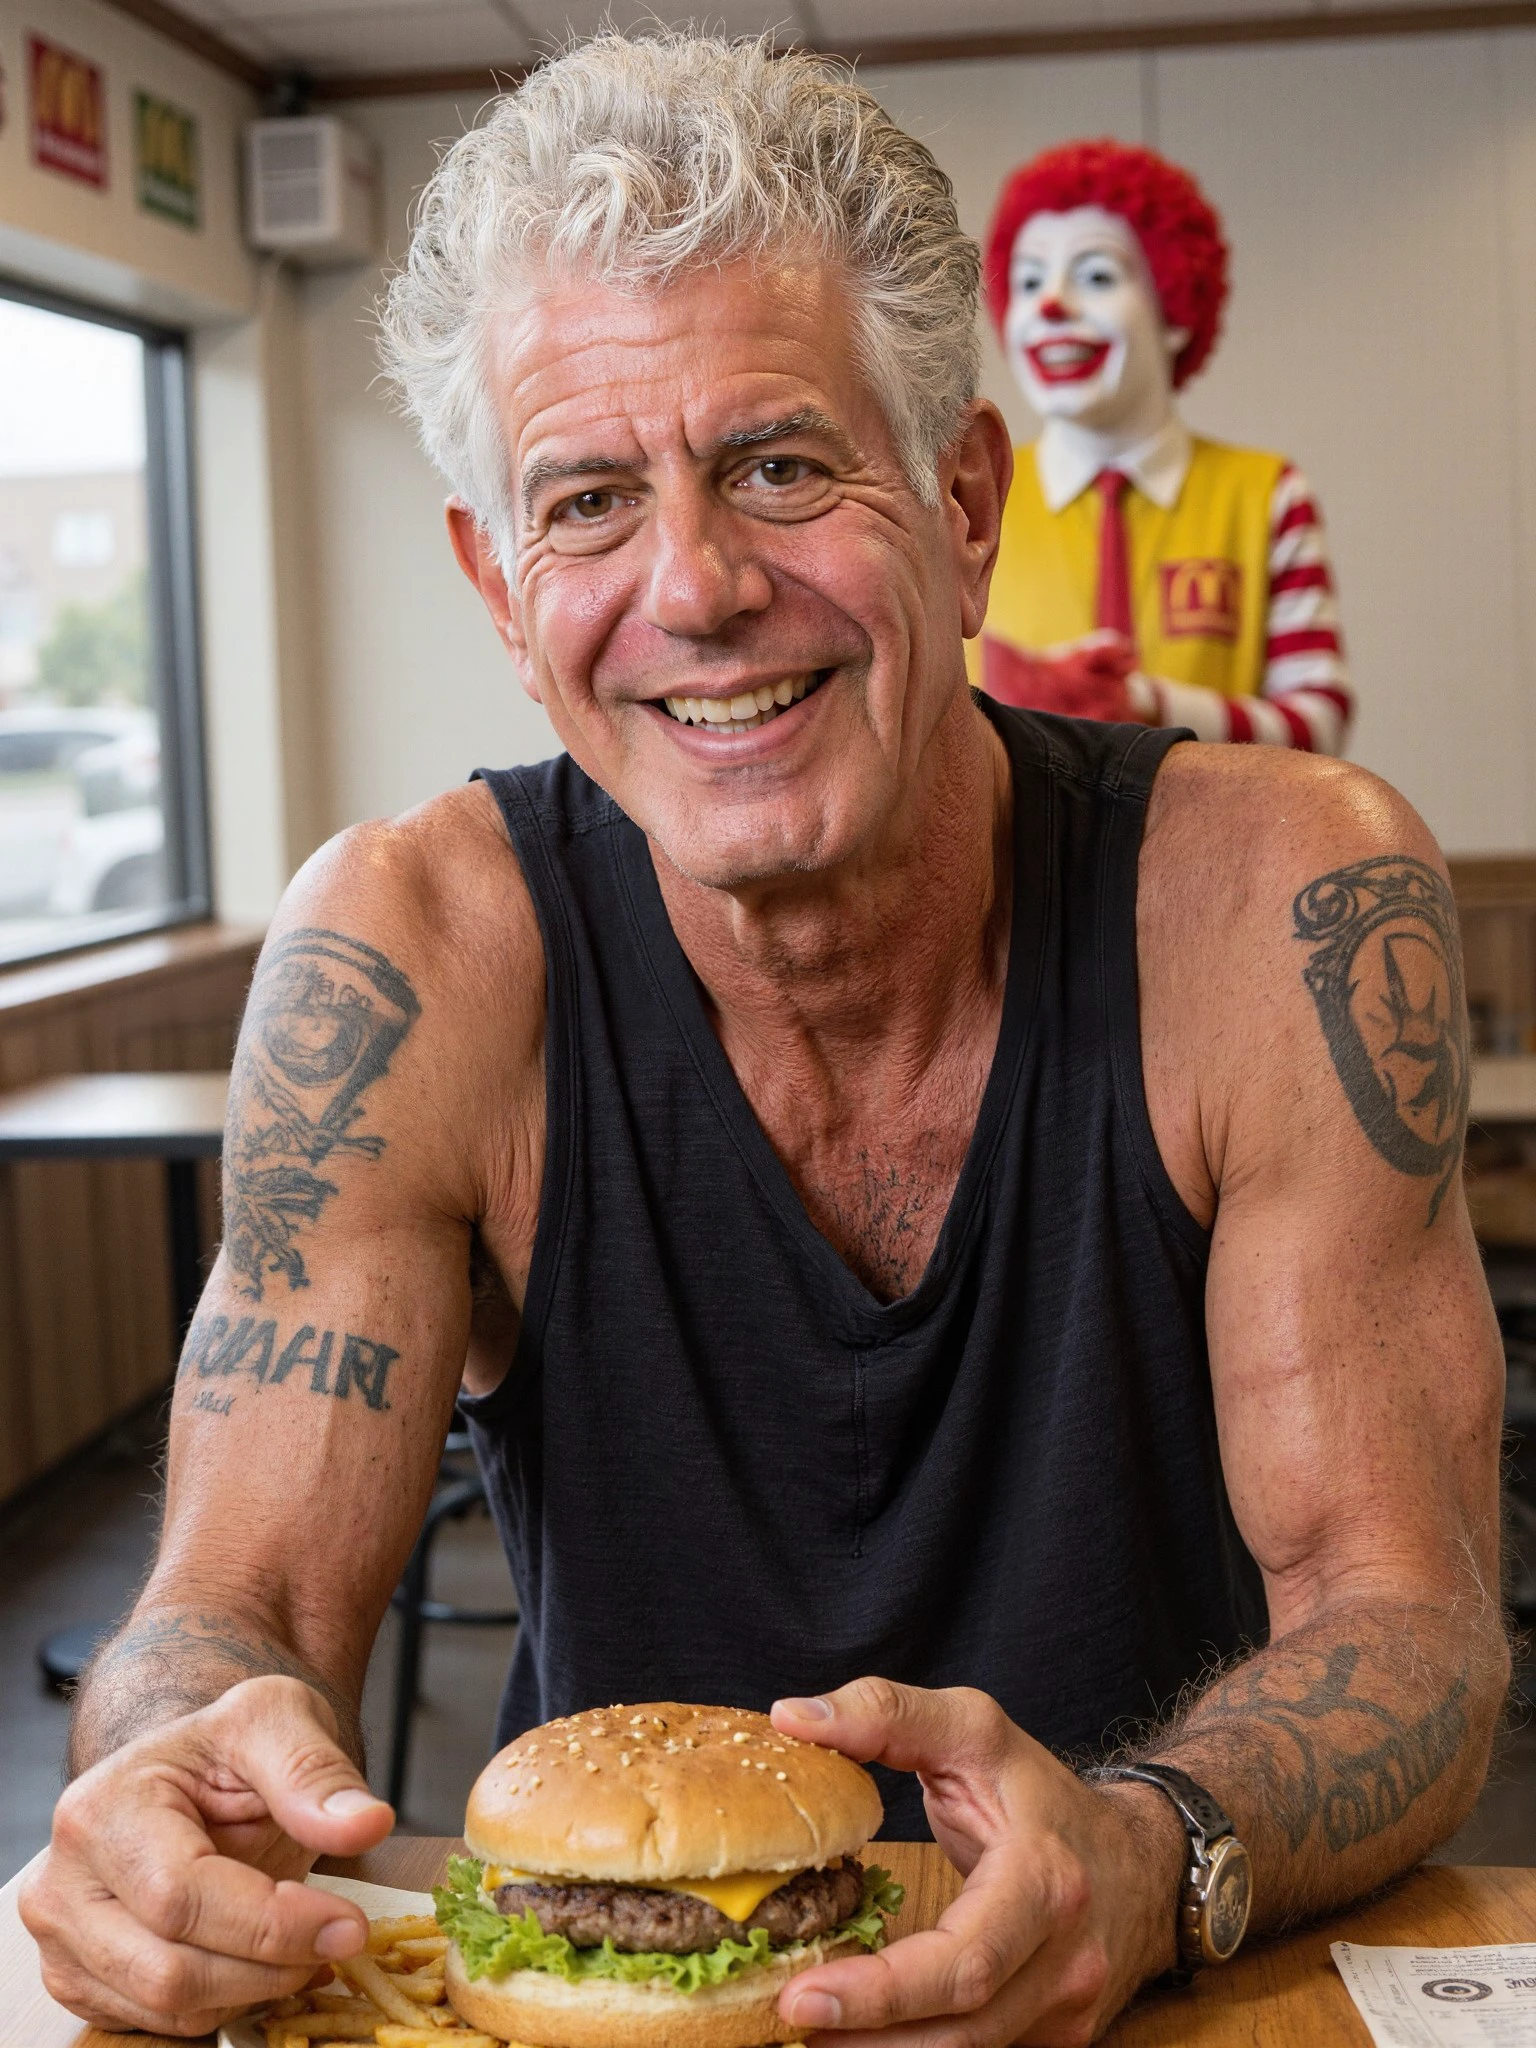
{"x": 862, "y": 1318}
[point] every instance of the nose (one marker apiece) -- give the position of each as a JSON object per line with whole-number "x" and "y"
{"x": 1055, "y": 308}
{"x": 698, "y": 580}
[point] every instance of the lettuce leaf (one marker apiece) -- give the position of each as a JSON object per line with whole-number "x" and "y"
{"x": 493, "y": 1943}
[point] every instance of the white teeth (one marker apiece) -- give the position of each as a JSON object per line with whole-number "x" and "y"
{"x": 743, "y": 712}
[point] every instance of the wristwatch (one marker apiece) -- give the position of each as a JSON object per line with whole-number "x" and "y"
{"x": 1218, "y": 1885}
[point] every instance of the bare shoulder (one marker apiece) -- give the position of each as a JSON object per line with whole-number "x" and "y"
{"x": 398, "y": 1004}
{"x": 1297, "y": 941}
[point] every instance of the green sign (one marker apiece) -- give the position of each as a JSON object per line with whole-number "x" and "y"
{"x": 165, "y": 149}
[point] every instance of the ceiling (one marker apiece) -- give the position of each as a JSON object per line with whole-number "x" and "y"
{"x": 358, "y": 39}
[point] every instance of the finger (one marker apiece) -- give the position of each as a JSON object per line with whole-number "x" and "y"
{"x": 909, "y": 1727}
{"x": 281, "y": 1738}
{"x": 153, "y": 1854}
{"x": 982, "y": 1940}
{"x": 165, "y": 1986}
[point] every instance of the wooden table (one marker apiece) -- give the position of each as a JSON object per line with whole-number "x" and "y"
{"x": 175, "y": 1117}
{"x": 1282, "y": 1994}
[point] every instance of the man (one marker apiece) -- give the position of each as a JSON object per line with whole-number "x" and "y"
{"x": 789, "y": 1102}
{"x": 1144, "y": 572}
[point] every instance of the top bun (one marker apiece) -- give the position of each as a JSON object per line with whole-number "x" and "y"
{"x": 636, "y": 1795}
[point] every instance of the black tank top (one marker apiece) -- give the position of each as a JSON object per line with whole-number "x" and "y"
{"x": 722, "y": 1469}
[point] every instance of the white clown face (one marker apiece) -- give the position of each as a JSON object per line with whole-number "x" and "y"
{"x": 1084, "y": 332}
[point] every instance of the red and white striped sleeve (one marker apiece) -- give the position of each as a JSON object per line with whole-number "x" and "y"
{"x": 1306, "y": 701}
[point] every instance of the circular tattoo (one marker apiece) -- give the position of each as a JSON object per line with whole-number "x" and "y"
{"x": 1385, "y": 974}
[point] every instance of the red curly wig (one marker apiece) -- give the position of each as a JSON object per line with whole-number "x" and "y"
{"x": 1179, "y": 231}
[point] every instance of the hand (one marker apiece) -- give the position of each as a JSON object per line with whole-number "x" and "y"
{"x": 167, "y": 1899}
{"x": 1070, "y": 1896}
{"x": 1087, "y": 678}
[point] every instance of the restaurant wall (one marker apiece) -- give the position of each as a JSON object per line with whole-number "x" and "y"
{"x": 1381, "y": 198}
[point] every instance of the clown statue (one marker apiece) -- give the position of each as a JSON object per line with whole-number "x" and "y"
{"x": 1144, "y": 573}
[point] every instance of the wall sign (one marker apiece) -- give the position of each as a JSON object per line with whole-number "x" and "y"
{"x": 69, "y": 113}
{"x": 165, "y": 156}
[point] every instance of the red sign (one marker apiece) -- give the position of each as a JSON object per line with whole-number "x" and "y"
{"x": 1202, "y": 599}
{"x": 69, "y": 113}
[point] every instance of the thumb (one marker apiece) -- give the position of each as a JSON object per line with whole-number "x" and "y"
{"x": 284, "y": 1745}
{"x": 909, "y": 1727}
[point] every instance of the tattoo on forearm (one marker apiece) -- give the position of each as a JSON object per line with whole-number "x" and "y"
{"x": 172, "y": 1661}
{"x": 335, "y": 1363}
{"x": 325, "y": 1016}
{"x": 1311, "y": 1778}
{"x": 1385, "y": 974}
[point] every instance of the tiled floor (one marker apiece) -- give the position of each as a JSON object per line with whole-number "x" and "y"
{"x": 80, "y": 1551}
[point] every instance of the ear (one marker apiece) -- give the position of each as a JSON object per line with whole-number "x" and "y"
{"x": 974, "y": 475}
{"x": 1175, "y": 339}
{"x": 475, "y": 554}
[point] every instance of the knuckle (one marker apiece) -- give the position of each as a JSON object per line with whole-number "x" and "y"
{"x": 882, "y": 1697}
{"x": 159, "y": 1982}
{"x": 72, "y": 1817}
{"x": 166, "y": 1901}
{"x": 313, "y": 1762}
{"x": 976, "y": 1977}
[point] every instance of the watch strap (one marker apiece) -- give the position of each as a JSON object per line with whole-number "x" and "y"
{"x": 1204, "y": 1820}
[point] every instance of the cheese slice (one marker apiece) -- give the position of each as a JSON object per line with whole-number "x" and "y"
{"x": 736, "y": 1897}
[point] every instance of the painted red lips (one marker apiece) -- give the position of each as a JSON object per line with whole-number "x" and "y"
{"x": 1066, "y": 360}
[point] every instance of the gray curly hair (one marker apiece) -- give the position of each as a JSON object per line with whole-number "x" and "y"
{"x": 630, "y": 159}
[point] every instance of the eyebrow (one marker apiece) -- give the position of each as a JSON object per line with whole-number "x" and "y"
{"x": 543, "y": 471}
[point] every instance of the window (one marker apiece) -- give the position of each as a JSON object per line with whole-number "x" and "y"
{"x": 102, "y": 829}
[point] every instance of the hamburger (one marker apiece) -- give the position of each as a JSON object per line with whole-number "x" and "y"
{"x": 653, "y": 1876}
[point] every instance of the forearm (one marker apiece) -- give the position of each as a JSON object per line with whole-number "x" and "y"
{"x": 1350, "y": 1746}
{"x": 174, "y": 1655}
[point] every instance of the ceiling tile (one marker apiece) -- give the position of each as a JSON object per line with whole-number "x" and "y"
{"x": 401, "y": 37}
{"x": 852, "y": 22}
{"x": 553, "y": 20}
{"x": 227, "y": 18}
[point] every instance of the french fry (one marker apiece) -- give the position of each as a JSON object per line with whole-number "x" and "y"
{"x": 321, "y": 2026}
{"x": 433, "y": 2037}
{"x": 418, "y": 1947}
{"x": 383, "y": 1934}
{"x": 378, "y": 1985}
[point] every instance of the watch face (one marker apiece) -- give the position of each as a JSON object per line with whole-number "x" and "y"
{"x": 1228, "y": 1896}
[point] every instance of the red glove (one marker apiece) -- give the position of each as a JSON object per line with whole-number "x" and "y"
{"x": 1087, "y": 678}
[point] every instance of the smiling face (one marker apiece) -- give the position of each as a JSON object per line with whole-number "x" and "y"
{"x": 741, "y": 620}
{"x": 1084, "y": 331}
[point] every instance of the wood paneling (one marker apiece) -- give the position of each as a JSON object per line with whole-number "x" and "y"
{"x": 85, "y": 1289}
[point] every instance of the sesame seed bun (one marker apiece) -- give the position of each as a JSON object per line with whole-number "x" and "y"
{"x": 647, "y": 1794}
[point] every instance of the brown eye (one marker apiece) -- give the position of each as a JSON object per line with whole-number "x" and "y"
{"x": 780, "y": 469}
{"x": 591, "y": 504}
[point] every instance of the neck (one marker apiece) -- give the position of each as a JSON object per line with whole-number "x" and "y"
{"x": 1105, "y": 444}
{"x": 883, "y": 951}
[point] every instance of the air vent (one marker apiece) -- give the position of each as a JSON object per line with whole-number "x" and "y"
{"x": 311, "y": 191}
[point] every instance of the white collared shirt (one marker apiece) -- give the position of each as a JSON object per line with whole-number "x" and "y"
{"x": 1068, "y": 461}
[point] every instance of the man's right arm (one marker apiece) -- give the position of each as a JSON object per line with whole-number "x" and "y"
{"x": 313, "y": 1396}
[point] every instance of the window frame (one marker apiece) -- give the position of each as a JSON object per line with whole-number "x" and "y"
{"x": 174, "y": 623}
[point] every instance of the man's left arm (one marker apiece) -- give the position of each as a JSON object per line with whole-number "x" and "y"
{"x": 1358, "y": 1385}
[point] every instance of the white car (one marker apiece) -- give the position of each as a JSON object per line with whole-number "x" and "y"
{"x": 81, "y": 828}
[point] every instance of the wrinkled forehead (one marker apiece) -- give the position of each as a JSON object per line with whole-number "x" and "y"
{"x": 1056, "y": 239}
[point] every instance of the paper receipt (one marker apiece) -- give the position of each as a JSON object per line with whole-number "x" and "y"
{"x": 1434, "y": 1997}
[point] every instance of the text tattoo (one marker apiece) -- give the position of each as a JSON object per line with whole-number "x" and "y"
{"x": 325, "y": 1017}
{"x": 1385, "y": 974}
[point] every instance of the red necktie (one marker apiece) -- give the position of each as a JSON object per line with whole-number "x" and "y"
{"x": 1114, "y": 596}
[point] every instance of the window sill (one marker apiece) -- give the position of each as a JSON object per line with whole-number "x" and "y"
{"x": 34, "y": 988}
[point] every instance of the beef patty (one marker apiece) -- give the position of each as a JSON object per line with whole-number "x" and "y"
{"x": 636, "y": 1919}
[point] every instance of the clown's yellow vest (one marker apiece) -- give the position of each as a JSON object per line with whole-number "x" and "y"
{"x": 1199, "y": 571}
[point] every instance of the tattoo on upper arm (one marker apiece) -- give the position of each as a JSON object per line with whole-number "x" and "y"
{"x": 332, "y": 1363}
{"x": 324, "y": 1018}
{"x": 1312, "y": 1777}
{"x": 1385, "y": 974}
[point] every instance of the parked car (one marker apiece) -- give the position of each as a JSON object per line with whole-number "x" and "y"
{"x": 81, "y": 827}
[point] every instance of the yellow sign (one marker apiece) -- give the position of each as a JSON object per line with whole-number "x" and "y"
{"x": 165, "y": 148}
{"x": 1202, "y": 599}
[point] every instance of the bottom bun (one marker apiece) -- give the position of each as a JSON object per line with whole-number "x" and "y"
{"x": 545, "y": 2011}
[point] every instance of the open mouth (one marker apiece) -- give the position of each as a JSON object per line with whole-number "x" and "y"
{"x": 1066, "y": 361}
{"x": 749, "y": 709}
